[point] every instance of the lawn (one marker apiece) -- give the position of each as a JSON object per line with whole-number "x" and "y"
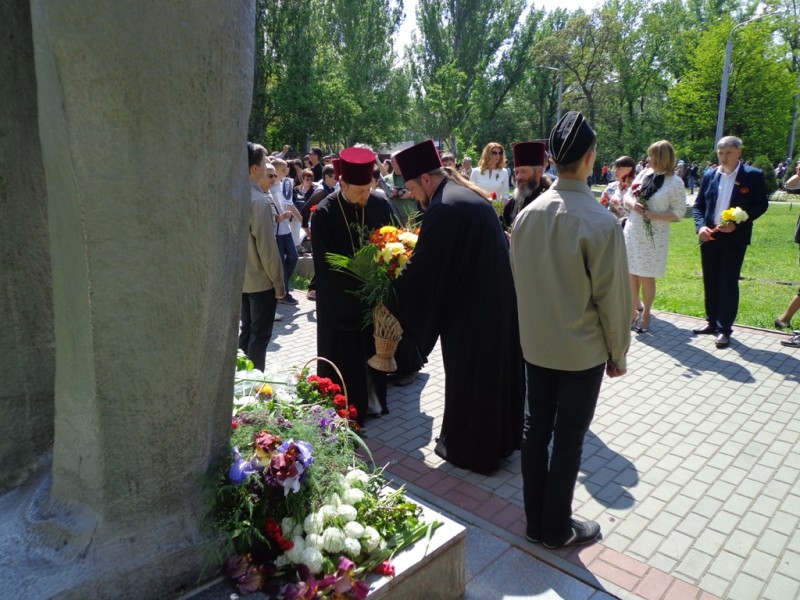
{"x": 770, "y": 275}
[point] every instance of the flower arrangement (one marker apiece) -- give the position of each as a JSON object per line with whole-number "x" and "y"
{"x": 380, "y": 260}
{"x": 611, "y": 201}
{"x": 733, "y": 215}
{"x": 299, "y": 512}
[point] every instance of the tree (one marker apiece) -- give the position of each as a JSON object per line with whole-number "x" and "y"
{"x": 760, "y": 93}
{"x": 462, "y": 45}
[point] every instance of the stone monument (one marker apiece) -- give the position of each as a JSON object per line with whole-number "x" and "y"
{"x": 117, "y": 355}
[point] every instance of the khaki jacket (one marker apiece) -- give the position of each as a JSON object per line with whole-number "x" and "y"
{"x": 264, "y": 269}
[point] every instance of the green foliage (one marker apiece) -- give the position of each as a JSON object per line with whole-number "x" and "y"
{"x": 763, "y": 162}
{"x": 760, "y": 93}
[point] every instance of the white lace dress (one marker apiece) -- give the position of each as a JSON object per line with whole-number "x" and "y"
{"x": 648, "y": 257}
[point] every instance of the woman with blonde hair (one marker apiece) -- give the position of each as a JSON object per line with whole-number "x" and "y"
{"x": 491, "y": 174}
{"x": 655, "y": 199}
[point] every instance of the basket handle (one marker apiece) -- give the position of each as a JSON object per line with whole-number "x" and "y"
{"x": 338, "y": 372}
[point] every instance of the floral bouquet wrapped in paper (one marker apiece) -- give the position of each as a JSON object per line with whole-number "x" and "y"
{"x": 378, "y": 262}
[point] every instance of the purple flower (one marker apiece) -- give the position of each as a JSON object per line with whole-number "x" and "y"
{"x": 240, "y": 469}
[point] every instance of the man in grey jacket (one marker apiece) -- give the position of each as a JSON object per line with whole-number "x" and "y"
{"x": 263, "y": 272}
{"x": 573, "y": 292}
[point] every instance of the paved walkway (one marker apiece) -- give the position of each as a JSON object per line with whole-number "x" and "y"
{"x": 691, "y": 467}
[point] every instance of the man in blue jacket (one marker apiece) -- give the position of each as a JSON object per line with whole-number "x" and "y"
{"x": 723, "y": 244}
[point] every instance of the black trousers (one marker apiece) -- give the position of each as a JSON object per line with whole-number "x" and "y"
{"x": 258, "y": 316}
{"x": 560, "y": 407}
{"x": 722, "y": 266}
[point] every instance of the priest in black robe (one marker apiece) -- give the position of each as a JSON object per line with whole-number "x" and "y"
{"x": 530, "y": 159}
{"x": 458, "y": 286}
{"x": 338, "y": 225}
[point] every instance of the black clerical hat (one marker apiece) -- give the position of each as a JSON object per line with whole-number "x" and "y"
{"x": 571, "y": 138}
{"x": 418, "y": 159}
{"x": 356, "y": 165}
{"x": 529, "y": 154}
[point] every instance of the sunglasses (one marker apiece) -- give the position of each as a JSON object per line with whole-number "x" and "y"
{"x": 271, "y": 176}
{"x": 497, "y": 152}
{"x": 308, "y": 177}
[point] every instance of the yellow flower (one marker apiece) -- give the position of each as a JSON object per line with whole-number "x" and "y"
{"x": 265, "y": 390}
{"x": 727, "y": 214}
{"x": 388, "y": 229}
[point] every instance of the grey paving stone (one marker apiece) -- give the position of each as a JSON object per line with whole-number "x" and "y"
{"x": 781, "y": 587}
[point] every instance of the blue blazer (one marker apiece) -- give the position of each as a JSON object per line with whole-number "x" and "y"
{"x": 749, "y": 194}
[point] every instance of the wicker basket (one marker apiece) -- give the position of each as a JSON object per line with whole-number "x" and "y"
{"x": 387, "y": 334}
{"x": 338, "y": 372}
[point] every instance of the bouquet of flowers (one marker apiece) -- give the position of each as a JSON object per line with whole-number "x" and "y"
{"x": 734, "y": 215}
{"x": 641, "y": 198}
{"x": 378, "y": 262}
{"x": 300, "y": 514}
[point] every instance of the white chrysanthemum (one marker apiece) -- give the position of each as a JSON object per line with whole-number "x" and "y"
{"x": 328, "y": 512}
{"x": 313, "y": 523}
{"x": 382, "y": 545}
{"x": 281, "y": 561}
{"x": 314, "y": 541}
{"x": 408, "y": 238}
{"x": 371, "y": 539}
{"x": 354, "y": 530}
{"x": 352, "y": 547}
{"x": 295, "y": 555}
{"x": 312, "y": 558}
{"x": 333, "y": 500}
{"x": 347, "y": 513}
{"x": 353, "y": 496}
{"x": 358, "y": 478}
{"x": 333, "y": 539}
{"x": 739, "y": 215}
{"x": 287, "y": 526}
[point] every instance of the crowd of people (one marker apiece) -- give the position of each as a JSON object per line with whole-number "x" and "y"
{"x": 574, "y": 277}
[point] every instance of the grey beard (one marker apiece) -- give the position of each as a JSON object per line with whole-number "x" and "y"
{"x": 523, "y": 191}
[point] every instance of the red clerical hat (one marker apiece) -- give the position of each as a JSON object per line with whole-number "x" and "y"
{"x": 418, "y": 159}
{"x": 337, "y": 168}
{"x": 357, "y": 165}
{"x": 529, "y": 154}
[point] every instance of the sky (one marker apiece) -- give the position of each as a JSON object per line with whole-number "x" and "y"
{"x": 410, "y": 22}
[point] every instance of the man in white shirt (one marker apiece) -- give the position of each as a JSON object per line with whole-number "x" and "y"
{"x": 285, "y": 211}
{"x": 723, "y": 244}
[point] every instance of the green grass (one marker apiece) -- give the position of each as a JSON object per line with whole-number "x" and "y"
{"x": 770, "y": 272}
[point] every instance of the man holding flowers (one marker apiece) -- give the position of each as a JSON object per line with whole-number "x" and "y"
{"x": 731, "y": 197}
{"x": 340, "y": 222}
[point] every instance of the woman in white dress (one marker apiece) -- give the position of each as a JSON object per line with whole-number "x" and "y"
{"x": 655, "y": 199}
{"x": 491, "y": 174}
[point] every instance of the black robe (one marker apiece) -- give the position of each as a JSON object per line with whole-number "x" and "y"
{"x": 509, "y": 214}
{"x": 341, "y": 336}
{"x": 458, "y": 286}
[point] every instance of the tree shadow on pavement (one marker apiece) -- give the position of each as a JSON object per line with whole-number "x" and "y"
{"x": 607, "y": 474}
{"x": 674, "y": 341}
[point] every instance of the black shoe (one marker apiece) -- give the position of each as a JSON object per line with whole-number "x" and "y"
{"x": 723, "y": 341}
{"x": 440, "y": 450}
{"x": 287, "y": 299}
{"x": 583, "y": 532}
{"x": 533, "y": 537}
{"x": 792, "y": 342}
{"x": 707, "y": 329}
{"x": 781, "y": 325}
{"x": 404, "y": 380}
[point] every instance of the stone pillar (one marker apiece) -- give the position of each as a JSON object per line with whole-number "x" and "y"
{"x": 27, "y": 355}
{"x": 143, "y": 112}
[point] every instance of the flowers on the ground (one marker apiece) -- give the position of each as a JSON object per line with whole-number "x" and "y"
{"x": 301, "y": 515}
{"x": 734, "y": 215}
